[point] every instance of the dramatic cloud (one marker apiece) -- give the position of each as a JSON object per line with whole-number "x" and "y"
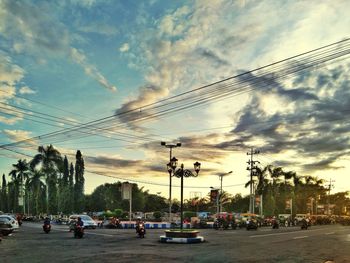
{"x": 315, "y": 129}
{"x": 32, "y": 29}
{"x": 10, "y": 76}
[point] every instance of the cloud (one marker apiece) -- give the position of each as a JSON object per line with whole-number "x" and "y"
{"x": 33, "y": 30}
{"x": 26, "y": 90}
{"x": 10, "y": 73}
{"x": 315, "y": 130}
{"x": 90, "y": 70}
{"x": 124, "y": 48}
{"x": 101, "y": 29}
{"x": 19, "y": 135}
{"x": 126, "y": 168}
{"x": 10, "y": 76}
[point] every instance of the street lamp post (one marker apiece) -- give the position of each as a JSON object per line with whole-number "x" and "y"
{"x": 170, "y": 146}
{"x": 221, "y": 176}
{"x": 217, "y": 201}
{"x": 181, "y": 173}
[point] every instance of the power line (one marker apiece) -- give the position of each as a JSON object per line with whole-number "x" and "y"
{"x": 154, "y": 183}
{"x": 217, "y": 92}
{"x": 44, "y": 104}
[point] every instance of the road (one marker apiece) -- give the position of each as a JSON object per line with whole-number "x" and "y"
{"x": 317, "y": 244}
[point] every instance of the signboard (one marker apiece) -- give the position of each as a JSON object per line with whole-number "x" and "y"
{"x": 20, "y": 201}
{"x": 257, "y": 201}
{"x": 126, "y": 191}
{"x": 288, "y": 204}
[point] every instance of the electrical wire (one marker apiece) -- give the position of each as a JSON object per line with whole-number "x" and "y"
{"x": 206, "y": 98}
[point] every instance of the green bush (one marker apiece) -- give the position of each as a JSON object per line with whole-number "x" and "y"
{"x": 189, "y": 214}
{"x": 157, "y": 216}
{"x": 118, "y": 212}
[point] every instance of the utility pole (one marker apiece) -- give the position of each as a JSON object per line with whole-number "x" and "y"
{"x": 252, "y": 168}
{"x": 330, "y": 186}
{"x": 170, "y": 171}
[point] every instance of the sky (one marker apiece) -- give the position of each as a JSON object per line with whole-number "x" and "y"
{"x": 115, "y": 78}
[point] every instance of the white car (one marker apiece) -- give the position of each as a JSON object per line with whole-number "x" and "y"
{"x": 13, "y": 221}
{"x": 87, "y": 220}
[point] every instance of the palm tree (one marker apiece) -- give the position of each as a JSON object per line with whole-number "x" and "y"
{"x": 19, "y": 174}
{"x": 37, "y": 187}
{"x": 297, "y": 181}
{"x": 275, "y": 174}
{"x": 50, "y": 159}
{"x": 262, "y": 185}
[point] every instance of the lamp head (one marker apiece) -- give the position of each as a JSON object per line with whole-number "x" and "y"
{"x": 197, "y": 167}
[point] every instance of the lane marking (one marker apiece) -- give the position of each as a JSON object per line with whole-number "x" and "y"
{"x": 99, "y": 234}
{"x": 85, "y": 232}
{"x": 67, "y": 231}
{"x": 300, "y": 237}
{"x": 287, "y": 233}
{"x": 330, "y": 233}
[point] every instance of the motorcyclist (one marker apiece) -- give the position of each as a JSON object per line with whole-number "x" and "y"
{"x": 79, "y": 222}
{"x": 275, "y": 222}
{"x": 138, "y": 222}
{"x": 47, "y": 221}
{"x": 304, "y": 223}
{"x": 47, "y": 224}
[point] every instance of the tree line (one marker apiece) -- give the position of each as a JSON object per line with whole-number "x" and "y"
{"x": 50, "y": 184}
{"x": 46, "y": 184}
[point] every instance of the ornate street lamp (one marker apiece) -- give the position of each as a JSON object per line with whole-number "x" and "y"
{"x": 181, "y": 173}
{"x": 170, "y": 169}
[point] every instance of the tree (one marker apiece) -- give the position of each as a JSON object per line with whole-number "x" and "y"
{"x": 70, "y": 195}
{"x": 20, "y": 174}
{"x": 4, "y": 199}
{"x": 64, "y": 189}
{"x": 50, "y": 159}
{"x": 79, "y": 183}
{"x": 38, "y": 188}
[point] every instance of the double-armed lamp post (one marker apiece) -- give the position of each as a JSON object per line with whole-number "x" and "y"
{"x": 181, "y": 173}
{"x": 170, "y": 146}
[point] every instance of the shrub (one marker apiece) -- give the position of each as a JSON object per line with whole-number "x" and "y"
{"x": 157, "y": 216}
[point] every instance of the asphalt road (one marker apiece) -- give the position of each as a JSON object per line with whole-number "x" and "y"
{"x": 317, "y": 244}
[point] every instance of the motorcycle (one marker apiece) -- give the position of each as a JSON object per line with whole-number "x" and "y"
{"x": 275, "y": 224}
{"x": 251, "y": 225}
{"x": 304, "y": 225}
{"x": 140, "y": 229}
{"x": 78, "y": 231}
{"x": 47, "y": 228}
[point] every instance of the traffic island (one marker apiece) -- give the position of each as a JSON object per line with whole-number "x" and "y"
{"x": 181, "y": 236}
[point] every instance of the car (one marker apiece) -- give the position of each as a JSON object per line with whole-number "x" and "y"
{"x": 13, "y": 221}
{"x": 5, "y": 226}
{"x": 87, "y": 220}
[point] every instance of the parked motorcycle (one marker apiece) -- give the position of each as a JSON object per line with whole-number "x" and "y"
{"x": 47, "y": 228}
{"x": 140, "y": 229}
{"x": 78, "y": 231}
